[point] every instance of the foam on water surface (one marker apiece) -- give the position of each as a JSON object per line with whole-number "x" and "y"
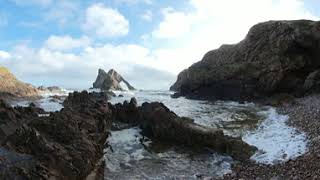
{"x": 132, "y": 158}
{"x": 267, "y": 129}
{"x": 275, "y": 140}
{"x": 259, "y": 126}
{"x": 61, "y": 92}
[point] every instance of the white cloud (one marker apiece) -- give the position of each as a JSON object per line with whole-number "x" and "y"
{"x": 189, "y": 35}
{"x": 175, "y": 24}
{"x": 228, "y": 17}
{"x": 147, "y": 15}
{"x": 4, "y": 55}
{"x": 63, "y": 43}
{"x": 105, "y": 22}
{"x": 80, "y": 69}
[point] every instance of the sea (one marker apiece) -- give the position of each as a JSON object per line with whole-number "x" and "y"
{"x": 135, "y": 157}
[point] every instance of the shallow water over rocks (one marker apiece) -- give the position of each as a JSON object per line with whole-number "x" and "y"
{"x": 134, "y": 157}
{"x": 260, "y": 126}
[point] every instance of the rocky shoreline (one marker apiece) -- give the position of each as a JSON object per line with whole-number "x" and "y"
{"x": 304, "y": 115}
{"x": 69, "y": 144}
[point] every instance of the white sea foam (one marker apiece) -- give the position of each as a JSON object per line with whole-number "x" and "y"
{"x": 50, "y": 106}
{"x": 131, "y": 160}
{"x": 126, "y": 147}
{"x": 275, "y": 140}
{"x": 125, "y": 93}
{"x": 61, "y": 92}
{"x": 94, "y": 90}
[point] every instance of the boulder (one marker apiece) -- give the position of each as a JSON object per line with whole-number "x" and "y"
{"x": 10, "y": 86}
{"x": 157, "y": 121}
{"x": 110, "y": 81}
{"x": 275, "y": 57}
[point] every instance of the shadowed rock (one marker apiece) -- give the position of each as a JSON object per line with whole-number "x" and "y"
{"x": 275, "y": 57}
{"x": 158, "y": 122}
{"x": 161, "y": 123}
{"x": 110, "y": 81}
{"x": 69, "y": 144}
{"x": 64, "y": 145}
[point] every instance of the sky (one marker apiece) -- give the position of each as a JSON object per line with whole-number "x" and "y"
{"x": 65, "y": 42}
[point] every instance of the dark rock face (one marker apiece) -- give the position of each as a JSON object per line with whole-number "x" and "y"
{"x": 110, "y": 81}
{"x": 275, "y": 57}
{"x": 64, "y": 145}
{"x": 157, "y": 121}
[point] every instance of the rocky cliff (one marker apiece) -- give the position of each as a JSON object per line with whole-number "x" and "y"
{"x": 275, "y": 57}
{"x": 11, "y": 86}
{"x": 110, "y": 81}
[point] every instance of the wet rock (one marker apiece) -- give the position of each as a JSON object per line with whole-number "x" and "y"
{"x": 157, "y": 121}
{"x": 275, "y": 57}
{"x": 127, "y": 112}
{"x": 12, "y": 118}
{"x": 65, "y": 145}
{"x": 176, "y": 95}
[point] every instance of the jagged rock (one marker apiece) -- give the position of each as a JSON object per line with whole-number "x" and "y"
{"x": 158, "y": 122}
{"x": 69, "y": 144}
{"x": 10, "y": 86}
{"x": 110, "y": 81}
{"x": 275, "y": 57}
{"x": 65, "y": 145}
{"x": 12, "y": 118}
{"x": 312, "y": 82}
{"x": 127, "y": 112}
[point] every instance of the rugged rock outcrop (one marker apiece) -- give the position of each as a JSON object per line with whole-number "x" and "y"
{"x": 62, "y": 145}
{"x": 110, "y": 81}
{"x": 158, "y": 122}
{"x": 69, "y": 144}
{"x": 275, "y": 57}
{"x": 10, "y": 86}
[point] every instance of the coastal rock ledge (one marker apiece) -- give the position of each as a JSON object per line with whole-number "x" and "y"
{"x": 275, "y": 57}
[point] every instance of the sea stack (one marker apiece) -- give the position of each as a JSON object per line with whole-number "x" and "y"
{"x": 275, "y": 57}
{"x": 111, "y": 81}
{"x": 10, "y": 86}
